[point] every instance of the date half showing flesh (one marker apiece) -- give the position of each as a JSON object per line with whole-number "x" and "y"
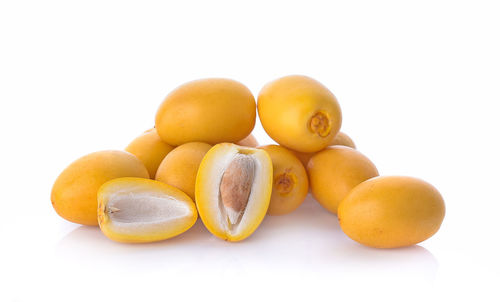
{"x": 135, "y": 210}
{"x": 233, "y": 190}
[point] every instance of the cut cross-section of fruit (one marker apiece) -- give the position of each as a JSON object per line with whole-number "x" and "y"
{"x": 233, "y": 189}
{"x": 142, "y": 210}
{"x": 74, "y": 194}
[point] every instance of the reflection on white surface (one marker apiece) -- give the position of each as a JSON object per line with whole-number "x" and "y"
{"x": 286, "y": 257}
{"x": 308, "y": 241}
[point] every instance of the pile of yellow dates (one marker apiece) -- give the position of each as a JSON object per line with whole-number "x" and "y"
{"x": 201, "y": 159}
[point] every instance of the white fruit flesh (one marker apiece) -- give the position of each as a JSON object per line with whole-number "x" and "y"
{"x": 139, "y": 212}
{"x": 226, "y": 219}
{"x": 143, "y": 210}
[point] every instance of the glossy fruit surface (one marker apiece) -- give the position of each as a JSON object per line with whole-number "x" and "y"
{"x": 249, "y": 141}
{"x": 150, "y": 149}
{"x": 180, "y": 166}
{"x": 290, "y": 183}
{"x": 335, "y": 171}
{"x": 341, "y": 139}
{"x": 74, "y": 193}
{"x": 207, "y": 110}
{"x": 299, "y": 113}
{"x": 392, "y": 211}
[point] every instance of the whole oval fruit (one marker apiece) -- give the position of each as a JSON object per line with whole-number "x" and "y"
{"x": 341, "y": 139}
{"x": 290, "y": 182}
{"x": 150, "y": 149}
{"x": 335, "y": 171}
{"x": 207, "y": 110}
{"x": 180, "y": 166}
{"x": 392, "y": 211}
{"x": 299, "y": 113}
{"x": 74, "y": 194}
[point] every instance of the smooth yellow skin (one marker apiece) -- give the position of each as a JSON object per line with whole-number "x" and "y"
{"x": 290, "y": 183}
{"x": 180, "y": 166}
{"x": 391, "y": 212}
{"x": 249, "y": 141}
{"x": 341, "y": 139}
{"x": 289, "y": 105}
{"x": 74, "y": 194}
{"x": 150, "y": 149}
{"x": 204, "y": 187}
{"x": 207, "y": 110}
{"x": 133, "y": 185}
{"x": 335, "y": 171}
{"x": 302, "y": 156}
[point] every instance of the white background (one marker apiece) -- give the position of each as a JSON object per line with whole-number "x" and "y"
{"x": 418, "y": 83}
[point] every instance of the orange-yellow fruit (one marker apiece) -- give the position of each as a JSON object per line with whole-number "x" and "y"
{"x": 335, "y": 171}
{"x": 207, "y": 110}
{"x": 233, "y": 189}
{"x": 392, "y": 211}
{"x": 341, "y": 139}
{"x": 303, "y": 156}
{"x": 180, "y": 166}
{"x": 249, "y": 141}
{"x": 138, "y": 210}
{"x": 150, "y": 149}
{"x": 290, "y": 184}
{"x": 299, "y": 113}
{"x": 74, "y": 194}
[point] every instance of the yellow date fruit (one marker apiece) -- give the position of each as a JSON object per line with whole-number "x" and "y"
{"x": 391, "y": 212}
{"x": 150, "y": 149}
{"x": 290, "y": 183}
{"x": 180, "y": 166}
{"x": 136, "y": 210}
{"x": 74, "y": 193}
{"x": 207, "y": 110}
{"x": 335, "y": 171}
{"x": 233, "y": 189}
{"x": 299, "y": 113}
{"x": 341, "y": 139}
{"x": 249, "y": 141}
